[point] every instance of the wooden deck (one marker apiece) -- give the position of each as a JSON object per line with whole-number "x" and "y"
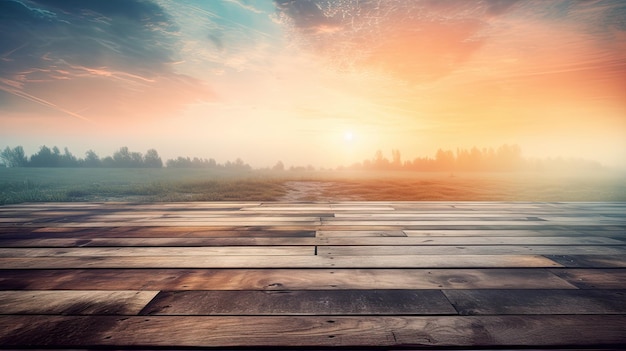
{"x": 388, "y": 275}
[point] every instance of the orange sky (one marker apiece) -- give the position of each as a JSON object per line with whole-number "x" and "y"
{"x": 287, "y": 80}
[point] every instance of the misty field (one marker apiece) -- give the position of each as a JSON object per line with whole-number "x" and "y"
{"x": 163, "y": 185}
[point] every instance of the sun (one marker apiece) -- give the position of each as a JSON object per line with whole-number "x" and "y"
{"x": 348, "y": 136}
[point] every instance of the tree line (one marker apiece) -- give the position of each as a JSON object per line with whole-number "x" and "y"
{"x": 122, "y": 158}
{"x": 504, "y": 158}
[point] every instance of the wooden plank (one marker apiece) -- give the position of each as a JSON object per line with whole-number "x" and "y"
{"x": 590, "y": 261}
{"x": 470, "y": 250}
{"x": 160, "y": 232}
{"x": 179, "y": 222}
{"x": 136, "y": 219}
{"x": 428, "y": 217}
{"x": 466, "y": 241}
{"x": 190, "y": 252}
{"x": 158, "y": 242}
{"x": 301, "y": 302}
{"x": 614, "y": 278}
{"x": 494, "y": 232}
{"x": 404, "y": 222}
{"x": 280, "y": 279}
{"x": 358, "y": 233}
{"x": 318, "y": 331}
{"x": 503, "y": 302}
{"x": 395, "y": 261}
{"x": 74, "y": 302}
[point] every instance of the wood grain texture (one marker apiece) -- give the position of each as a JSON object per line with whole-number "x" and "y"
{"x": 70, "y": 302}
{"x": 594, "y": 278}
{"x": 313, "y": 261}
{"x": 320, "y": 331}
{"x": 189, "y": 252}
{"x": 357, "y": 274}
{"x": 280, "y": 279}
{"x": 504, "y": 302}
{"x": 301, "y": 302}
{"x": 351, "y": 250}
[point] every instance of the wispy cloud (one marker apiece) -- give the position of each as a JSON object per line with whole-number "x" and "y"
{"x": 13, "y": 89}
{"x": 117, "y": 49}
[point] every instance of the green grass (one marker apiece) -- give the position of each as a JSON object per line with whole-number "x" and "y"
{"x": 144, "y": 185}
{"x": 19, "y": 185}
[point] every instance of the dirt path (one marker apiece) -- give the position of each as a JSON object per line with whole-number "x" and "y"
{"x": 315, "y": 191}
{"x": 306, "y": 191}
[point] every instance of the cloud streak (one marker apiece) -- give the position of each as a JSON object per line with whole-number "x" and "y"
{"x": 116, "y": 49}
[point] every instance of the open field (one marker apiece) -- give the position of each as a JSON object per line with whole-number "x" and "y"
{"x": 165, "y": 185}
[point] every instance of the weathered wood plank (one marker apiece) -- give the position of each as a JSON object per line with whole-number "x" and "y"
{"x": 395, "y": 261}
{"x": 466, "y": 241}
{"x": 495, "y": 232}
{"x": 190, "y": 252}
{"x": 503, "y": 302}
{"x": 180, "y": 222}
{"x": 162, "y": 218}
{"x": 280, "y": 279}
{"x": 158, "y": 242}
{"x": 293, "y": 331}
{"x": 358, "y": 233}
{"x": 614, "y": 278}
{"x": 470, "y": 250}
{"x": 74, "y": 302}
{"x": 89, "y": 232}
{"x": 590, "y": 261}
{"x": 301, "y": 302}
{"x": 405, "y": 222}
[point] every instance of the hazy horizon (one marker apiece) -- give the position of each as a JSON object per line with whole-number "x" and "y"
{"x": 320, "y": 82}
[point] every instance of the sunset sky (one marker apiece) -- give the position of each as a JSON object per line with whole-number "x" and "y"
{"x": 320, "y": 82}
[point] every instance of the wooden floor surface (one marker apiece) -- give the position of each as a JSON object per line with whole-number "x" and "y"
{"x": 385, "y": 275}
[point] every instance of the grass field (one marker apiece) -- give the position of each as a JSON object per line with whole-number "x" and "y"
{"x": 148, "y": 185}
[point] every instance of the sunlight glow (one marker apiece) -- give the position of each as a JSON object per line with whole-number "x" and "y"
{"x": 348, "y": 136}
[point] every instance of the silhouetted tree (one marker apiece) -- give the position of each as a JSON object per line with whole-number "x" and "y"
{"x": 279, "y": 166}
{"x": 445, "y": 160}
{"x": 122, "y": 157}
{"x": 14, "y": 157}
{"x": 108, "y": 162}
{"x": 179, "y": 162}
{"x": 379, "y": 161}
{"x": 91, "y": 159}
{"x": 152, "y": 159}
{"x": 136, "y": 159}
{"x": 46, "y": 157}
{"x": 67, "y": 159}
{"x": 396, "y": 159}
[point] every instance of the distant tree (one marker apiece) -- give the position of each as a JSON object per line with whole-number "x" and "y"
{"x": 91, "y": 159}
{"x": 445, "y": 160}
{"x": 238, "y": 165}
{"x": 46, "y": 157}
{"x": 152, "y": 159}
{"x": 136, "y": 159}
{"x": 122, "y": 157}
{"x": 396, "y": 159}
{"x": 509, "y": 157}
{"x": 67, "y": 159}
{"x": 379, "y": 161}
{"x": 279, "y": 166}
{"x": 179, "y": 162}
{"x": 108, "y": 162}
{"x": 14, "y": 157}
